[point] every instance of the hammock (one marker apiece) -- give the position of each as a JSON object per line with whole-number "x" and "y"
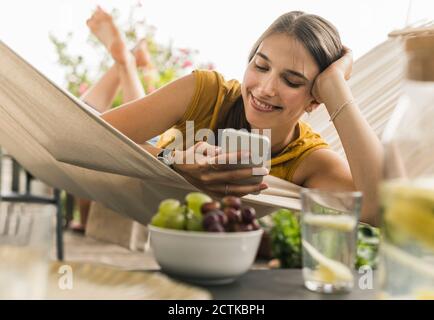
{"x": 63, "y": 142}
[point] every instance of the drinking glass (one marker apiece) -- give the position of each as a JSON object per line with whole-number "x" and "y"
{"x": 329, "y": 232}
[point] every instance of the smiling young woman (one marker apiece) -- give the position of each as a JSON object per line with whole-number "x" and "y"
{"x": 297, "y": 65}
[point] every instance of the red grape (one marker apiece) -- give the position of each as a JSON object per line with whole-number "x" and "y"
{"x": 233, "y": 215}
{"x": 246, "y": 227}
{"x": 210, "y": 206}
{"x": 234, "y": 227}
{"x": 222, "y": 217}
{"x": 231, "y": 201}
{"x": 248, "y": 214}
{"x": 255, "y": 224}
{"x": 209, "y": 219}
{"x": 216, "y": 227}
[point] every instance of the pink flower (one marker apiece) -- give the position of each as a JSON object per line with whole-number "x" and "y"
{"x": 185, "y": 51}
{"x": 187, "y": 64}
{"x": 82, "y": 88}
{"x": 211, "y": 66}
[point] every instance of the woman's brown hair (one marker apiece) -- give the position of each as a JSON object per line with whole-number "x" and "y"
{"x": 320, "y": 38}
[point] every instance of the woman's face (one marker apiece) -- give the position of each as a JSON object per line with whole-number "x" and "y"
{"x": 277, "y": 83}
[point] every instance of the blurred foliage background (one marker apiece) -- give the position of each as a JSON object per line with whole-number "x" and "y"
{"x": 169, "y": 62}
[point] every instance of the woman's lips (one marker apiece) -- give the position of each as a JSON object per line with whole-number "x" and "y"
{"x": 260, "y": 106}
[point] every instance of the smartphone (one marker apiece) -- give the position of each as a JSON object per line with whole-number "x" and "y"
{"x": 258, "y": 145}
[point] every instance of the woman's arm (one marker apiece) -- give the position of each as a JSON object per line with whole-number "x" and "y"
{"x": 324, "y": 169}
{"x": 145, "y": 118}
{"x": 361, "y": 145}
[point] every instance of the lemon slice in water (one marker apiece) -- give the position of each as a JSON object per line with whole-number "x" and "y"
{"x": 343, "y": 222}
{"x": 324, "y": 274}
{"x": 329, "y": 270}
{"x": 409, "y": 207}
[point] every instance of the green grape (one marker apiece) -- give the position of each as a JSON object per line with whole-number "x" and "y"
{"x": 159, "y": 220}
{"x": 168, "y": 206}
{"x": 194, "y": 221}
{"x": 176, "y": 220}
{"x": 195, "y": 200}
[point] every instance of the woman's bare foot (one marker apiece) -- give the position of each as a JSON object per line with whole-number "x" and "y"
{"x": 103, "y": 27}
{"x": 142, "y": 55}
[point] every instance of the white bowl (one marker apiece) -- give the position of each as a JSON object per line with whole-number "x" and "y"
{"x": 204, "y": 257}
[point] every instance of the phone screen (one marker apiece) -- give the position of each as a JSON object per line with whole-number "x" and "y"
{"x": 241, "y": 140}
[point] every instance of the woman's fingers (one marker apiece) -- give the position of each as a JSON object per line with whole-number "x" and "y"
{"x": 206, "y": 149}
{"x": 345, "y": 63}
{"x": 237, "y": 190}
{"x": 211, "y": 157}
{"x": 212, "y": 170}
{"x": 214, "y": 177}
{"x": 202, "y": 152}
{"x": 226, "y": 161}
{"x": 343, "y": 66}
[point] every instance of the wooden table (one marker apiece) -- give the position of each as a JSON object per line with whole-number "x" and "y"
{"x": 96, "y": 281}
{"x": 277, "y": 284}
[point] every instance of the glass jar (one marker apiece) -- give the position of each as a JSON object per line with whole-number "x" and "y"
{"x": 406, "y": 268}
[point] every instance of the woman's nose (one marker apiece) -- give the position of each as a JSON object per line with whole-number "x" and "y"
{"x": 268, "y": 86}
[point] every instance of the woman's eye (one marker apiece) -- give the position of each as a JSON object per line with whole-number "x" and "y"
{"x": 292, "y": 84}
{"x": 261, "y": 68}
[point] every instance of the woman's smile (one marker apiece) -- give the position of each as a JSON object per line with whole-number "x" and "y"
{"x": 262, "y": 106}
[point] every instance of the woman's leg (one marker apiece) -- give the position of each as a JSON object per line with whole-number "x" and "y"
{"x": 103, "y": 27}
{"x": 138, "y": 59}
{"x": 101, "y": 95}
{"x": 124, "y": 73}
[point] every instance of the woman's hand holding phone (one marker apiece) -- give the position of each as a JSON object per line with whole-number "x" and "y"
{"x": 210, "y": 169}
